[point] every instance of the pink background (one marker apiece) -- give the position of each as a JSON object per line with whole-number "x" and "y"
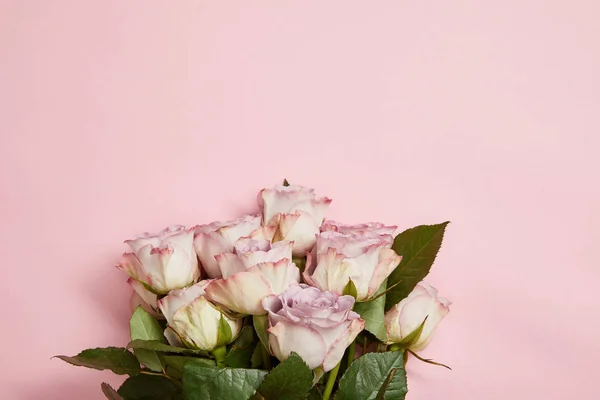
{"x": 124, "y": 116}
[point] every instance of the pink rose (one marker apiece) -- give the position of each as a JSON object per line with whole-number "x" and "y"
{"x": 162, "y": 261}
{"x": 405, "y": 317}
{"x": 297, "y": 213}
{"x": 219, "y": 237}
{"x": 317, "y": 325}
{"x": 243, "y": 291}
{"x": 367, "y": 260}
{"x": 194, "y": 321}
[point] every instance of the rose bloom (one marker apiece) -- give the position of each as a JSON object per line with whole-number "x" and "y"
{"x": 317, "y": 325}
{"x": 162, "y": 261}
{"x": 219, "y": 237}
{"x": 367, "y": 260}
{"x": 297, "y": 213}
{"x": 194, "y": 319}
{"x": 405, "y": 317}
{"x": 255, "y": 271}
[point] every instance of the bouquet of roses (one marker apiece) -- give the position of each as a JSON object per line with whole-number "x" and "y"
{"x": 280, "y": 305}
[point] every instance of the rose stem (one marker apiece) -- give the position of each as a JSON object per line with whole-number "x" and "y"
{"x": 331, "y": 381}
{"x": 266, "y": 357}
{"x": 351, "y": 351}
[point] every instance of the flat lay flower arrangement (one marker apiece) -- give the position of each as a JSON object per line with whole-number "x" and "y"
{"x": 280, "y": 305}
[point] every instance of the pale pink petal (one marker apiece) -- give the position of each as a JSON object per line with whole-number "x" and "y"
{"x": 264, "y": 233}
{"x": 299, "y": 228}
{"x": 179, "y": 298}
{"x": 207, "y": 246}
{"x": 229, "y": 264}
{"x": 132, "y": 266}
{"x": 286, "y": 337}
{"x": 145, "y": 295}
{"x": 336, "y": 351}
{"x": 388, "y": 261}
{"x": 279, "y": 275}
{"x": 241, "y": 292}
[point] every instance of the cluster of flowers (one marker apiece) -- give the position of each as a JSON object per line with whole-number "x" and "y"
{"x": 289, "y": 263}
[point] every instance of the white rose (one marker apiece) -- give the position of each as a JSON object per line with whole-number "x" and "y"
{"x": 162, "y": 261}
{"x": 408, "y": 315}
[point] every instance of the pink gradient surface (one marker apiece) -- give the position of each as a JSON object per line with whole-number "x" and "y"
{"x": 124, "y": 116}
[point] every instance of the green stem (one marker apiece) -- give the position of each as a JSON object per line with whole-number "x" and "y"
{"x": 331, "y": 381}
{"x": 220, "y": 353}
{"x": 266, "y": 357}
{"x": 351, "y": 352}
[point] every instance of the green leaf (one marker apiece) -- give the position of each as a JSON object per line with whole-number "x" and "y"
{"x": 143, "y": 326}
{"x": 109, "y": 392}
{"x": 368, "y": 374}
{"x": 245, "y": 338}
{"x": 286, "y": 183}
{"x": 374, "y": 314}
{"x": 350, "y": 289}
{"x": 163, "y": 348}
{"x": 209, "y": 383}
{"x": 290, "y": 380}
{"x": 257, "y": 359}
{"x": 150, "y": 387}
{"x": 117, "y": 359}
{"x": 175, "y": 364}
{"x": 381, "y": 395}
{"x": 240, "y": 358}
{"x": 261, "y": 324}
{"x": 418, "y": 247}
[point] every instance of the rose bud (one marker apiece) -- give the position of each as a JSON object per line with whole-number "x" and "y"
{"x": 404, "y": 319}
{"x": 195, "y": 320}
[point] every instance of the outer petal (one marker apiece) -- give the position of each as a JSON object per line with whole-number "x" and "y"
{"x": 144, "y": 294}
{"x": 229, "y": 264}
{"x": 332, "y": 273}
{"x": 388, "y": 261}
{"x": 437, "y": 311}
{"x": 280, "y": 275}
{"x": 392, "y": 323}
{"x": 207, "y": 246}
{"x": 132, "y": 266}
{"x": 173, "y": 338}
{"x": 177, "y": 299}
{"x": 273, "y": 253}
{"x": 198, "y": 324}
{"x": 299, "y": 228}
{"x": 264, "y": 233}
{"x": 241, "y": 292}
{"x": 282, "y": 199}
{"x": 286, "y": 337}
{"x": 336, "y": 351}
